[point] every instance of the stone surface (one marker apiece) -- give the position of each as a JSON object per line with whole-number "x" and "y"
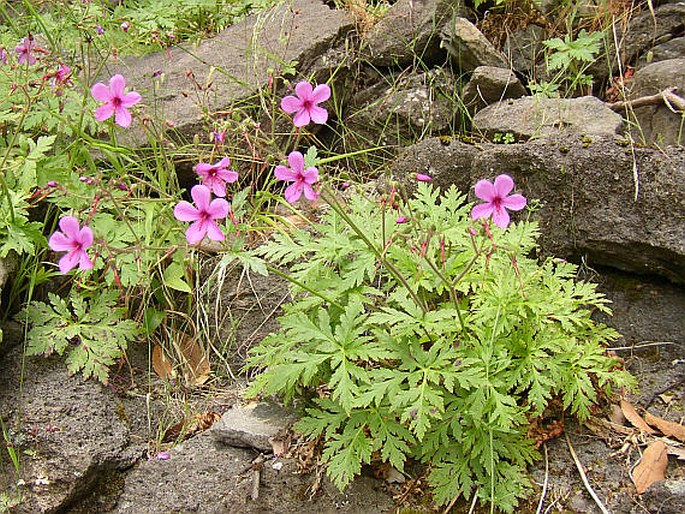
{"x": 524, "y": 47}
{"x": 230, "y": 67}
{"x": 586, "y": 190}
{"x": 489, "y": 85}
{"x": 531, "y": 117}
{"x": 657, "y": 123}
{"x": 468, "y": 47}
{"x": 252, "y": 426}
{"x": 665, "y": 497}
{"x": 71, "y": 435}
{"x": 202, "y": 476}
{"x": 671, "y": 49}
{"x": 408, "y": 31}
{"x": 418, "y": 105}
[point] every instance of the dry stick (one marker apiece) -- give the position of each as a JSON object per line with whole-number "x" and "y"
{"x": 583, "y": 476}
{"x": 667, "y": 96}
{"x": 544, "y": 485}
{"x": 645, "y": 344}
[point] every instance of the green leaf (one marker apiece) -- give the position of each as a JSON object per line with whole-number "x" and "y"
{"x": 174, "y": 276}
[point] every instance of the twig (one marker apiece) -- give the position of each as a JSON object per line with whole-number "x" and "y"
{"x": 667, "y": 96}
{"x": 664, "y": 390}
{"x": 645, "y": 344}
{"x": 544, "y": 485}
{"x": 256, "y": 474}
{"x": 583, "y": 476}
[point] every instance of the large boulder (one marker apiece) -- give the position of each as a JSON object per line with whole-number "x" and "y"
{"x": 659, "y": 123}
{"x": 489, "y": 85}
{"x": 183, "y": 85}
{"x": 468, "y": 47}
{"x": 586, "y": 188}
{"x": 532, "y": 117}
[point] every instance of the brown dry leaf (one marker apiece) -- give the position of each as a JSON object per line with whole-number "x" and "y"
{"x": 635, "y": 419}
{"x": 668, "y": 428}
{"x": 205, "y": 420}
{"x": 616, "y": 415}
{"x": 160, "y": 363}
{"x": 652, "y": 467}
{"x": 195, "y": 361}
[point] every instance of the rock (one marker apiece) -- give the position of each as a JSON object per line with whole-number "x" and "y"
{"x": 231, "y": 67}
{"x": 532, "y": 117}
{"x": 468, "y": 47}
{"x": 420, "y": 104}
{"x": 665, "y": 497}
{"x": 252, "y": 426}
{"x": 8, "y": 266}
{"x": 671, "y": 49}
{"x": 586, "y": 190}
{"x": 408, "y": 31}
{"x": 202, "y": 476}
{"x": 524, "y": 46}
{"x": 489, "y": 85}
{"x": 71, "y": 436}
{"x": 657, "y": 123}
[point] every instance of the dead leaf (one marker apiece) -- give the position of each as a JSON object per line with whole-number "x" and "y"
{"x": 160, "y": 363}
{"x": 652, "y": 466}
{"x": 616, "y": 415}
{"x": 668, "y": 428}
{"x": 195, "y": 362}
{"x": 666, "y": 398}
{"x": 635, "y": 419}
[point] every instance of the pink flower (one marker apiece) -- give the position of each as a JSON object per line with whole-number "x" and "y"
{"x": 304, "y": 104}
{"x": 302, "y": 179}
{"x": 423, "y": 178}
{"x": 203, "y": 215}
{"x": 24, "y": 51}
{"x": 496, "y": 200}
{"x": 401, "y": 219}
{"x": 215, "y": 176}
{"x": 3, "y": 55}
{"x": 100, "y": 31}
{"x": 116, "y": 101}
{"x": 74, "y": 241}
{"x": 61, "y": 79}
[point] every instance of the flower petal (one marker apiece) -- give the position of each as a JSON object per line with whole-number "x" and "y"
{"x": 304, "y": 90}
{"x": 310, "y": 175}
{"x": 284, "y": 173}
{"x": 296, "y": 161}
{"x": 301, "y": 118}
{"x": 100, "y": 92}
{"x": 223, "y": 163}
{"x": 291, "y": 104}
{"x": 321, "y": 93}
{"x": 483, "y": 210}
{"x": 501, "y": 217}
{"x": 515, "y": 202}
{"x": 293, "y": 192}
{"x": 309, "y": 193}
{"x": 218, "y": 186}
{"x": 68, "y": 261}
{"x": 85, "y": 237}
{"x": 503, "y": 185}
{"x": 203, "y": 169}
{"x": 84, "y": 261}
{"x": 229, "y": 176}
{"x": 184, "y": 211}
{"x": 214, "y": 232}
{"x": 485, "y": 190}
{"x": 201, "y": 195}
{"x": 122, "y": 117}
{"x": 218, "y": 209}
{"x": 69, "y": 225}
{"x": 130, "y": 99}
{"x": 60, "y": 243}
{"x": 104, "y": 112}
{"x": 318, "y": 115}
{"x": 196, "y": 232}
{"x": 117, "y": 84}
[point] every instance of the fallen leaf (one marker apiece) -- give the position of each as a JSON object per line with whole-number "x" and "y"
{"x": 635, "y": 419}
{"x": 668, "y": 428}
{"x": 652, "y": 466}
{"x": 666, "y": 398}
{"x": 195, "y": 362}
{"x": 616, "y": 415}
{"x": 160, "y": 363}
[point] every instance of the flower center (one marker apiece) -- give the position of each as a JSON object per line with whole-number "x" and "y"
{"x": 307, "y": 104}
{"x": 116, "y": 102}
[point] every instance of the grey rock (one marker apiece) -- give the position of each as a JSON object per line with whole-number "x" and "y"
{"x": 489, "y": 85}
{"x": 665, "y": 497}
{"x": 468, "y": 47}
{"x": 230, "y": 67}
{"x": 532, "y": 117}
{"x": 658, "y": 123}
{"x": 202, "y": 476}
{"x": 410, "y": 30}
{"x": 418, "y": 105}
{"x": 76, "y": 433}
{"x": 524, "y": 48}
{"x": 586, "y": 189}
{"x": 252, "y": 426}
{"x": 671, "y": 49}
